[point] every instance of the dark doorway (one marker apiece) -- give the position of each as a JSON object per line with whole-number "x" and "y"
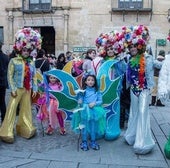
{"x": 48, "y": 39}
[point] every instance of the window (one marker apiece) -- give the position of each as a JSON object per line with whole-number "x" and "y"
{"x": 1, "y": 34}
{"x": 130, "y": 4}
{"x": 39, "y": 4}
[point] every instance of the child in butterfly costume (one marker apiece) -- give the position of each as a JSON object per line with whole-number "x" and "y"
{"x": 49, "y": 107}
{"x": 92, "y": 115}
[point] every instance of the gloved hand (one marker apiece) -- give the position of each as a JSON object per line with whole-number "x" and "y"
{"x": 163, "y": 96}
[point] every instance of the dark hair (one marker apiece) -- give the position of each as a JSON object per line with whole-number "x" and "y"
{"x": 68, "y": 52}
{"x": 162, "y": 53}
{"x": 41, "y": 53}
{"x": 60, "y": 56}
{"x": 84, "y": 85}
{"x": 89, "y": 51}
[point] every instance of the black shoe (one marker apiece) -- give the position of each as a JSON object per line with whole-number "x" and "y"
{"x": 159, "y": 103}
{"x": 151, "y": 104}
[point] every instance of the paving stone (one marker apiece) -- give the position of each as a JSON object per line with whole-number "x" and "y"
{"x": 36, "y": 164}
{"x": 63, "y": 165}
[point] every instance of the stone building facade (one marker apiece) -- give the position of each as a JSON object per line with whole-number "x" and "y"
{"x": 75, "y": 24}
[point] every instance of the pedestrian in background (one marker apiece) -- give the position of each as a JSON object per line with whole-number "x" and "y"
{"x": 4, "y": 60}
{"x": 61, "y": 61}
{"x": 41, "y": 61}
{"x": 69, "y": 56}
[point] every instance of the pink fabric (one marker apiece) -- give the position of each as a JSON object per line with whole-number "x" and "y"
{"x": 56, "y": 87}
{"x": 51, "y": 113}
{"x": 55, "y": 116}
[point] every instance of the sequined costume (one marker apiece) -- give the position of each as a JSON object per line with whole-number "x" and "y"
{"x": 138, "y": 132}
{"x": 18, "y": 83}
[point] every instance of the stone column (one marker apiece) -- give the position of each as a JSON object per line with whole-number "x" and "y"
{"x": 66, "y": 19}
{"x": 11, "y": 26}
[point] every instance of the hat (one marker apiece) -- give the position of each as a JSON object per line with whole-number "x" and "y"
{"x": 162, "y": 53}
{"x": 27, "y": 38}
{"x": 136, "y": 35}
{"x": 112, "y": 39}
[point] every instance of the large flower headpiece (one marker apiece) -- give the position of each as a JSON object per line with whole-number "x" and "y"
{"x": 113, "y": 39}
{"x": 137, "y": 35}
{"x": 27, "y": 38}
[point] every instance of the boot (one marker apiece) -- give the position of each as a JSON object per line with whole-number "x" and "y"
{"x": 159, "y": 103}
{"x": 153, "y": 101}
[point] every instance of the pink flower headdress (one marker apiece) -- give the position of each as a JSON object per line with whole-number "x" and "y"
{"x": 137, "y": 35}
{"x": 27, "y": 38}
{"x": 114, "y": 39}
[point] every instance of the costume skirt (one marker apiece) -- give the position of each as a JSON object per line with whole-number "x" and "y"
{"x": 83, "y": 117}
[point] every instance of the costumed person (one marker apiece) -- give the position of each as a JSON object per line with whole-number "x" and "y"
{"x": 23, "y": 84}
{"x": 93, "y": 116}
{"x": 141, "y": 81}
{"x": 4, "y": 60}
{"x": 111, "y": 47}
{"x": 164, "y": 91}
{"x": 49, "y": 110}
{"x": 154, "y": 100}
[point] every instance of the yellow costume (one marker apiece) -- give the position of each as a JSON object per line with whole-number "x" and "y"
{"x": 24, "y": 125}
{"x": 22, "y": 81}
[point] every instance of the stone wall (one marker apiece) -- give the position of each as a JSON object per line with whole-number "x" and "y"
{"x": 86, "y": 20}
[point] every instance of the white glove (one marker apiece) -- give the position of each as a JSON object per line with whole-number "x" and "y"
{"x": 79, "y": 91}
{"x": 163, "y": 96}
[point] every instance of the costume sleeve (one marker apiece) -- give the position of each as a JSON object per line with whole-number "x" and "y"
{"x": 11, "y": 82}
{"x": 157, "y": 64}
{"x": 34, "y": 79}
{"x": 99, "y": 100}
{"x": 163, "y": 79}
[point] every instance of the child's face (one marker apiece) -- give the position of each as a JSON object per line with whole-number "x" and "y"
{"x": 52, "y": 79}
{"x": 90, "y": 81}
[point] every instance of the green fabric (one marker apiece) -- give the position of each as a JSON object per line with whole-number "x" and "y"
{"x": 135, "y": 61}
{"x": 167, "y": 149}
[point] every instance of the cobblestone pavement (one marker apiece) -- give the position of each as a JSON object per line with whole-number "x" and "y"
{"x": 56, "y": 151}
{"x": 42, "y": 142}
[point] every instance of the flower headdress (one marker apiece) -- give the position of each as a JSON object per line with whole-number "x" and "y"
{"x": 27, "y": 38}
{"x": 114, "y": 39}
{"x": 137, "y": 35}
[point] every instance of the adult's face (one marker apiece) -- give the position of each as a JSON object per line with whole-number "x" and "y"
{"x": 25, "y": 53}
{"x": 133, "y": 50}
{"x": 110, "y": 51}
